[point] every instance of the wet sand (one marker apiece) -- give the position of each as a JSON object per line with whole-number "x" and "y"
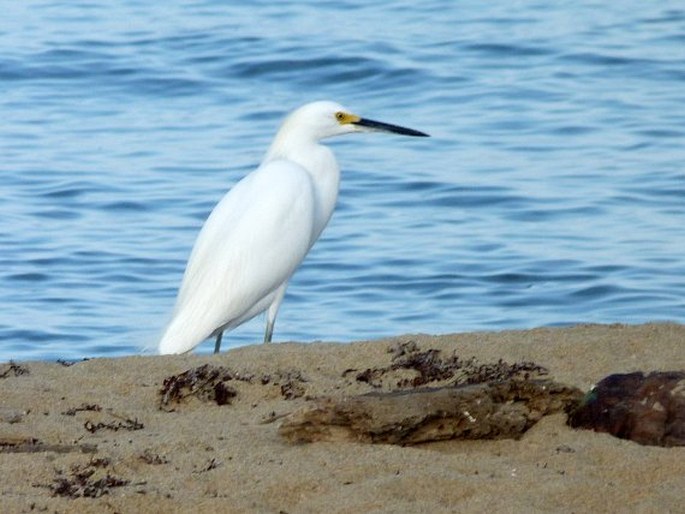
{"x": 91, "y": 437}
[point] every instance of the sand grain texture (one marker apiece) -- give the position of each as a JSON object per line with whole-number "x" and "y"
{"x": 95, "y": 433}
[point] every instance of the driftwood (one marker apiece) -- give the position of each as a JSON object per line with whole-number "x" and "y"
{"x": 504, "y": 409}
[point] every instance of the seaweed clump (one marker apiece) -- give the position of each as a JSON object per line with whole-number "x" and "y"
{"x": 431, "y": 367}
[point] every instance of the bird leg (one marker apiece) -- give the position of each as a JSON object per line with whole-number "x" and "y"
{"x": 273, "y": 311}
{"x": 217, "y": 345}
{"x": 269, "y": 331}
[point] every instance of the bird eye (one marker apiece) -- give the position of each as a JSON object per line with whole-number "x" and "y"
{"x": 340, "y": 116}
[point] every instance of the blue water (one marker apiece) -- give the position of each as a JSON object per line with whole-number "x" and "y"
{"x": 552, "y": 191}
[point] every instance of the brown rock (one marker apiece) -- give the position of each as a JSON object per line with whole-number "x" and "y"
{"x": 648, "y": 409}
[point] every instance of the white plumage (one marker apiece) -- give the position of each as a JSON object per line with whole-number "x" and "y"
{"x": 261, "y": 230}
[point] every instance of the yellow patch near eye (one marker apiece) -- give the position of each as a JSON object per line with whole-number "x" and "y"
{"x": 345, "y": 118}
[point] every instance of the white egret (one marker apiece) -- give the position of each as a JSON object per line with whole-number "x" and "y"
{"x": 261, "y": 230}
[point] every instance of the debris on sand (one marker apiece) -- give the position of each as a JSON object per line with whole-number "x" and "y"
{"x": 412, "y": 367}
{"x": 504, "y": 409}
{"x": 13, "y": 369}
{"x": 467, "y": 400}
{"x": 88, "y": 481}
{"x": 210, "y": 384}
{"x": 206, "y": 382}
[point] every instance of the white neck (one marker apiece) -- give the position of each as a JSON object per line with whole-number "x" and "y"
{"x": 318, "y": 160}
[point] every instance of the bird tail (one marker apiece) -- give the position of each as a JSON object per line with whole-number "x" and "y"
{"x": 179, "y": 337}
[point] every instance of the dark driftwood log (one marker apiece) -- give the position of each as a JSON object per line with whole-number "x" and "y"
{"x": 484, "y": 411}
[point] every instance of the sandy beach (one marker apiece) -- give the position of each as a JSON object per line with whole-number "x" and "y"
{"x": 91, "y": 436}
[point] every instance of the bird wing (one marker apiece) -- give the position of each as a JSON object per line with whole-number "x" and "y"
{"x": 252, "y": 242}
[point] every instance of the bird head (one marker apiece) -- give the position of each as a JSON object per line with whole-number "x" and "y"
{"x": 326, "y": 119}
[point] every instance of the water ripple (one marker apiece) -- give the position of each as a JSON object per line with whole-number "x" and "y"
{"x": 551, "y": 192}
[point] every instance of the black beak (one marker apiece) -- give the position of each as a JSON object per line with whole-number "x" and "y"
{"x": 379, "y": 126}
